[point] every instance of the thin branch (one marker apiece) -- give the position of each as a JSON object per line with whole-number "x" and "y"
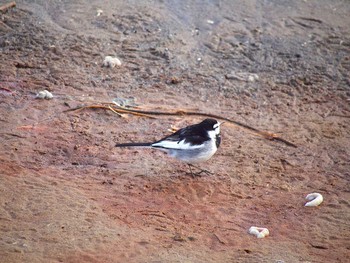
{"x": 146, "y": 113}
{"x": 7, "y": 6}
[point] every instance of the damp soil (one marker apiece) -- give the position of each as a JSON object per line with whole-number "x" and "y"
{"x": 68, "y": 195}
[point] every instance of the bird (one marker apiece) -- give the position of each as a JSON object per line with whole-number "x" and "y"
{"x": 192, "y": 144}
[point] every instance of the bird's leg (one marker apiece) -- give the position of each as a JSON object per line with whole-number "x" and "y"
{"x": 200, "y": 172}
{"x": 203, "y": 171}
{"x": 190, "y": 166}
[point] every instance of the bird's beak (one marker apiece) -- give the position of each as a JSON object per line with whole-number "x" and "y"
{"x": 220, "y": 123}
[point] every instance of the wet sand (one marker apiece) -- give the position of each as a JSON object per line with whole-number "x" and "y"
{"x": 68, "y": 195}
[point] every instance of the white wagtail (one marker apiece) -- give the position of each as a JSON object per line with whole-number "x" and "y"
{"x": 192, "y": 144}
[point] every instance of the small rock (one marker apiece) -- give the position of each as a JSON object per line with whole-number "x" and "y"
{"x": 179, "y": 238}
{"x": 253, "y": 77}
{"x": 318, "y": 245}
{"x": 99, "y": 12}
{"x": 111, "y": 62}
{"x": 44, "y": 94}
{"x": 242, "y": 76}
{"x": 259, "y": 232}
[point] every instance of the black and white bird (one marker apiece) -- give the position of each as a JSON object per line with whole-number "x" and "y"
{"x": 192, "y": 144}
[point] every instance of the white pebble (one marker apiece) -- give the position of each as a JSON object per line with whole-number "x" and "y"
{"x": 243, "y": 76}
{"x": 314, "y": 199}
{"x": 44, "y": 94}
{"x": 211, "y": 22}
{"x": 253, "y": 77}
{"x": 111, "y": 62}
{"x": 259, "y": 232}
{"x": 99, "y": 12}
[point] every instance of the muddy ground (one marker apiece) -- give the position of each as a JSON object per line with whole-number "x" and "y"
{"x": 68, "y": 195}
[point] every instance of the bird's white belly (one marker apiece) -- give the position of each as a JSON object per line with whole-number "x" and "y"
{"x": 196, "y": 155}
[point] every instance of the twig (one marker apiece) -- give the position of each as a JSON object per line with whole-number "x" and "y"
{"x": 14, "y": 135}
{"x": 267, "y": 135}
{"x": 5, "y": 26}
{"x": 6, "y": 89}
{"x": 109, "y": 107}
{"x": 120, "y": 115}
{"x": 7, "y": 6}
{"x": 146, "y": 113}
{"x": 310, "y": 19}
{"x": 219, "y": 239}
{"x": 338, "y": 115}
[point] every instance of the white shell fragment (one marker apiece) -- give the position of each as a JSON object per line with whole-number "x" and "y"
{"x": 99, "y": 12}
{"x": 314, "y": 199}
{"x": 243, "y": 76}
{"x": 253, "y": 77}
{"x": 44, "y": 94}
{"x": 111, "y": 62}
{"x": 259, "y": 232}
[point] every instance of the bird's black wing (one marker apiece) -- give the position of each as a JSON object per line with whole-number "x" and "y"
{"x": 193, "y": 134}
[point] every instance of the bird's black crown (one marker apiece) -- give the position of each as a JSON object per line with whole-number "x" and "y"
{"x": 208, "y": 124}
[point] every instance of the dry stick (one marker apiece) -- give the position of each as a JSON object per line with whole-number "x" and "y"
{"x": 267, "y": 135}
{"x": 6, "y": 89}
{"x": 7, "y": 6}
{"x": 110, "y": 107}
{"x": 5, "y": 26}
{"x": 119, "y": 109}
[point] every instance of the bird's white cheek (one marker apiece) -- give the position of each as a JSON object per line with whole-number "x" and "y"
{"x": 212, "y": 134}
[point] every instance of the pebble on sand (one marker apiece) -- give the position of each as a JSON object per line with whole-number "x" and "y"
{"x": 99, "y": 12}
{"x": 111, "y": 62}
{"x": 44, "y": 94}
{"x": 259, "y": 232}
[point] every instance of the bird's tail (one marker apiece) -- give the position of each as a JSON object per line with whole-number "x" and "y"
{"x": 136, "y": 144}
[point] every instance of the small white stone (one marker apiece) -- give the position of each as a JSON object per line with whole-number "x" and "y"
{"x": 111, "y": 62}
{"x": 243, "y": 76}
{"x": 44, "y": 94}
{"x": 99, "y": 12}
{"x": 41, "y": 95}
{"x": 259, "y": 232}
{"x": 253, "y": 77}
{"x": 211, "y": 22}
{"x": 264, "y": 232}
{"x": 253, "y": 231}
{"x": 49, "y": 95}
